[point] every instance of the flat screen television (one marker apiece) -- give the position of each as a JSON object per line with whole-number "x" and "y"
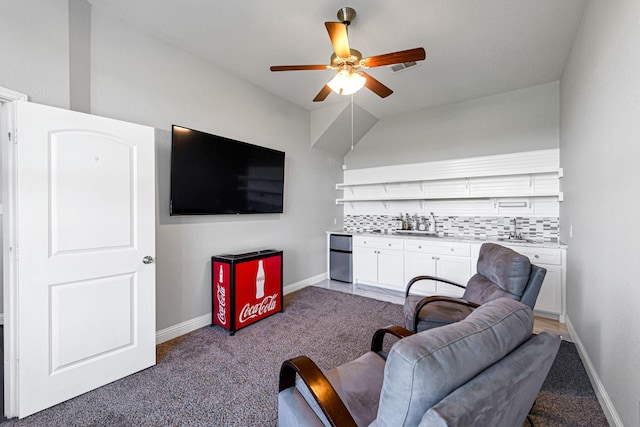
{"x": 212, "y": 174}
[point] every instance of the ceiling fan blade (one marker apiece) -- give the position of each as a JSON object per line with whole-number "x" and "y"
{"x": 297, "y": 67}
{"x": 339, "y": 40}
{"x": 322, "y": 95}
{"x": 410, "y": 55}
{"x": 375, "y": 86}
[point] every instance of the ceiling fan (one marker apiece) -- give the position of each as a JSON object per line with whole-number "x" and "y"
{"x": 349, "y": 62}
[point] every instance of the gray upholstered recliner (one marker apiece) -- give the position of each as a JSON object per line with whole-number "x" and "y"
{"x": 485, "y": 370}
{"x": 502, "y": 273}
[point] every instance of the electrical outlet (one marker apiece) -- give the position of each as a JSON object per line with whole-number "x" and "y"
{"x": 571, "y": 230}
{"x": 335, "y": 221}
{"x": 344, "y": 167}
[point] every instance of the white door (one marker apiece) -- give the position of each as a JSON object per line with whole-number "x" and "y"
{"x": 85, "y": 220}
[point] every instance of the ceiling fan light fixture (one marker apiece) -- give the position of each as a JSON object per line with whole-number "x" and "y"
{"x": 347, "y": 83}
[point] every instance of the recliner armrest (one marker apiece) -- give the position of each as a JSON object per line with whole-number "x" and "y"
{"x": 437, "y": 279}
{"x": 427, "y": 300}
{"x": 378, "y": 337}
{"x": 321, "y": 389}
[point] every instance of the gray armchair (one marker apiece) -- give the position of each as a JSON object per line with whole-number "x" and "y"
{"x": 502, "y": 273}
{"x": 484, "y": 370}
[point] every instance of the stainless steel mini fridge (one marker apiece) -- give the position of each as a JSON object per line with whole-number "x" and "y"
{"x": 340, "y": 254}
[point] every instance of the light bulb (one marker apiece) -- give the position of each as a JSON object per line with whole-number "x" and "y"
{"x": 345, "y": 83}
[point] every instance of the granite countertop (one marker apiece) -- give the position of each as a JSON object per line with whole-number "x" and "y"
{"x": 462, "y": 239}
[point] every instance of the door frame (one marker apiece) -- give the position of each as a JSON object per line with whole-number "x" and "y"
{"x": 10, "y": 294}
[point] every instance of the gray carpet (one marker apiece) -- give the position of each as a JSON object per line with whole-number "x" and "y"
{"x": 207, "y": 378}
{"x": 567, "y": 397}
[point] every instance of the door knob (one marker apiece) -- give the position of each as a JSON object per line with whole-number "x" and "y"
{"x": 147, "y": 260}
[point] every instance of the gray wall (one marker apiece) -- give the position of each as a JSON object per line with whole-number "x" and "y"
{"x": 143, "y": 80}
{"x": 520, "y": 120}
{"x": 34, "y": 49}
{"x": 80, "y": 55}
{"x": 600, "y": 148}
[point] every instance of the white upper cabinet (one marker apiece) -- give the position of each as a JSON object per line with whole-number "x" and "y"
{"x": 531, "y": 174}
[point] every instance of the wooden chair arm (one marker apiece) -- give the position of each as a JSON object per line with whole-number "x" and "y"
{"x": 437, "y": 279}
{"x": 378, "y": 336}
{"x": 427, "y": 300}
{"x": 321, "y": 389}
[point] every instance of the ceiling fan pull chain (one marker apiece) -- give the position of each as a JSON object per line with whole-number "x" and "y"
{"x": 351, "y": 122}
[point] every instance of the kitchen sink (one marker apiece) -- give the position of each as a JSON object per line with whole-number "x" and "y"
{"x": 511, "y": 239}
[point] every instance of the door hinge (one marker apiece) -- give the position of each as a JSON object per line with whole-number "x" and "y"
{"x": 13, "y": 136}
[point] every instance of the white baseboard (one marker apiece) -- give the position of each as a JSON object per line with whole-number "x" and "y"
{"x": 601, "y": 393}
{"x": 182, "y": 328}
{"x": 175, "y": 331}
{"x": 304, "y": 283}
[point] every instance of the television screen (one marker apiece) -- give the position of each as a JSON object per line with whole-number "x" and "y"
{"x": 216, "y": 175}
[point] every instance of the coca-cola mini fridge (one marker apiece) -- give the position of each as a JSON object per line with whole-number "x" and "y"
{"x": 246, "y": 288}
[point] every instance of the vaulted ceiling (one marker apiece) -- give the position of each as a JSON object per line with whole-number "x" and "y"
{"x": 474, "y": 48}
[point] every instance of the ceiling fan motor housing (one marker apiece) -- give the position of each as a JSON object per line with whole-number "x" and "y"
{"x": 354, "y": 60}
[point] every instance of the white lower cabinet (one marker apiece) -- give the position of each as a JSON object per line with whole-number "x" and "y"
{"x": 390, "y": 268}
{"x": 448, "y": 260}
{"x": 390, "y": 262}
{"x": 365, "y": 264}
{"x": 550, "y": 296}
{"x": 420, "y": 264}
{"x": 378, "y": 261}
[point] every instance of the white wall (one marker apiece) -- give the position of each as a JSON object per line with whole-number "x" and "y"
{"x": 600, "y": 148}
{"x": 520, "y": 120}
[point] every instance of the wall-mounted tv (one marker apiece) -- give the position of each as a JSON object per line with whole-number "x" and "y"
{"x": 216, "y": 175}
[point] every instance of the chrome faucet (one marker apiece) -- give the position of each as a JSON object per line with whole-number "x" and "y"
{"x": 514, "y": 233}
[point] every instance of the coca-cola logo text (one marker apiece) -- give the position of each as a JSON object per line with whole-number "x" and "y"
{"x": 250, "y": 311}
{"x": 222, "y": 312}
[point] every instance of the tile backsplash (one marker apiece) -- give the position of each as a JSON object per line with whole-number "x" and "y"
{"x": 539, "y": 229}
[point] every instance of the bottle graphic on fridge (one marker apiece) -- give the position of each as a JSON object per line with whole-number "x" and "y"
{"x": 260, "y": 281}
{"x": 221, "y": 295}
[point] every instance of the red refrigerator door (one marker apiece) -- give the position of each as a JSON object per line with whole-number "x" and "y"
{"x": 258, "y": 288}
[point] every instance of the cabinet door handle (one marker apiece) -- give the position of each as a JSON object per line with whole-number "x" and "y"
{"x": 453, "y": 250}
